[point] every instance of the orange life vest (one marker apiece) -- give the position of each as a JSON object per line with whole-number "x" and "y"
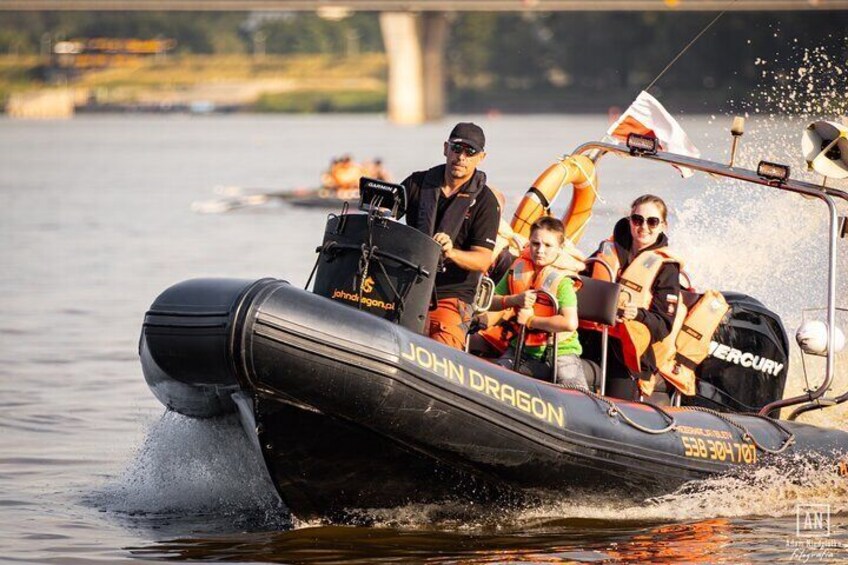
{"x": 525, "y": 276}
{"x": 637, "y": 280}
{"x": 688, "y": 343}
{"x": 607, "y": 254}
{"x": 693, "y": 341}
{"x": 499, "y": 334}
{"x": 346, "y": 175}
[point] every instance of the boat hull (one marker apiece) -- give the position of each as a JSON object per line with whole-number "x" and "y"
{"x": 353, "y": 411}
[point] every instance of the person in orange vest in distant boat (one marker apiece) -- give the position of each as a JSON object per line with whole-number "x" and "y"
{"x": 374, "y": 169}
{"x": 344, "y": 173}
{"x": 519, "y": 289}
{"x": 453, "y": 204}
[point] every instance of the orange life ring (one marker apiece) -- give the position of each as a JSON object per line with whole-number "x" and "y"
{"x": 577, "y": 170}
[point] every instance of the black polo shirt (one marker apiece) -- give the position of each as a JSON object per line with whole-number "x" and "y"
{"x": 479, "y": 227}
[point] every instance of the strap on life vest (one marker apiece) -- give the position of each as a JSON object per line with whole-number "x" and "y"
{"x": 500, "y": 334}
{"x": 524, "y": 276}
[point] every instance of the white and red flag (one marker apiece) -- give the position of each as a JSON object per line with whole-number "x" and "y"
{"x": 646, "y": 116}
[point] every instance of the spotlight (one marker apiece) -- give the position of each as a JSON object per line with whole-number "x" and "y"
{"x": 641, "y": 144}
{"x": 773, "y": 172}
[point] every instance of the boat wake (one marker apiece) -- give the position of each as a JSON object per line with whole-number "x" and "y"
{"x": 201, "y": 471}
{"x": 770, "y": 491}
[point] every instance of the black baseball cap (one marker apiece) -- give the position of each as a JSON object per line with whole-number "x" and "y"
{"x": 468, "y": 133}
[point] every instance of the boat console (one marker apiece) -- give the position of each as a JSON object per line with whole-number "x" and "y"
{"x": 374, "y": 263}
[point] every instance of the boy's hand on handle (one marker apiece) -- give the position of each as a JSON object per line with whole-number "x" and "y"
{"x": 526, "y": 299}
{"x": 523, "y": 315}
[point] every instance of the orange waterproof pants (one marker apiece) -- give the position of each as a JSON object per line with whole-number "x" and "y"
{"x": 449, "y": 322}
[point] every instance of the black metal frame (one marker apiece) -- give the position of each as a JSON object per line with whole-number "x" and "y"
{"x": 811, "y": 400}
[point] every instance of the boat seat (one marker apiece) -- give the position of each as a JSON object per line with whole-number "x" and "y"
{"x": 597, "y": 301}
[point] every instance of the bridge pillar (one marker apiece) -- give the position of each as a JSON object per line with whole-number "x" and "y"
{"x": 435, "y": 28}
{"x": 415, "y": 50}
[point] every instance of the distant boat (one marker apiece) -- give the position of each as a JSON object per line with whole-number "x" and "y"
{"x": 237, "y": 198}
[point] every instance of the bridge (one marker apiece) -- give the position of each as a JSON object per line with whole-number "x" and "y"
{"x": 415, "y": 31}
{"x": 420, "y": 5}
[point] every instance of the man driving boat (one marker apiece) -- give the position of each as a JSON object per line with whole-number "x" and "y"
{"x": 453, "y": 204}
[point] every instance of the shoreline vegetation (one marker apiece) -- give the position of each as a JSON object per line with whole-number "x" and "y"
{"x": 292, "y": 83}
{"x": 272, "y": 83}
{"x": 518, "y": 63}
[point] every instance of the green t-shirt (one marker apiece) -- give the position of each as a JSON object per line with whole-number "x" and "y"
{"x": 567, "y": 298}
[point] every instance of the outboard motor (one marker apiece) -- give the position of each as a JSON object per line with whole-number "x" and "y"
{"x": 748, "y": 360}
{"x": 374, "y": 263}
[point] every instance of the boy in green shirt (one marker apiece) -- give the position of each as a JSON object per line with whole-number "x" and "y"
{"x": 518, "y": 290}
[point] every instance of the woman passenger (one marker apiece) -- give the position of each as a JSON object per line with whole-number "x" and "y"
{"x": 649, "y": 275}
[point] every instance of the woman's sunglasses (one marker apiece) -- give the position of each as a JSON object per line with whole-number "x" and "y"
{"x": 461, "y": 148}
{"x": 637, "y": 220}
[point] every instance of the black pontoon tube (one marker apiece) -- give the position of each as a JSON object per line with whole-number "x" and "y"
{"x": 596, "y": 150}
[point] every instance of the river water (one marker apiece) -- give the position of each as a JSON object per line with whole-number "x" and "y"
{"x": 96, "y": 220}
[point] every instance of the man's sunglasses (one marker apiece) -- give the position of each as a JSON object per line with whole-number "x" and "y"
{"x": 462, "y": 148}
{"x": 637, "y": 220}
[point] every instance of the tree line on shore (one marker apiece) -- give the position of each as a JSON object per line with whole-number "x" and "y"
{"x": 559, "y": 56}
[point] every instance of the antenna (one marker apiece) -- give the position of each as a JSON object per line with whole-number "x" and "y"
{"x": 736, "y": 129}
{"x": 690, "y": 44}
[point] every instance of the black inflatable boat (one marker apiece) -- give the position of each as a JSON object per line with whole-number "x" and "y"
{"x": 353, "y": 408}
